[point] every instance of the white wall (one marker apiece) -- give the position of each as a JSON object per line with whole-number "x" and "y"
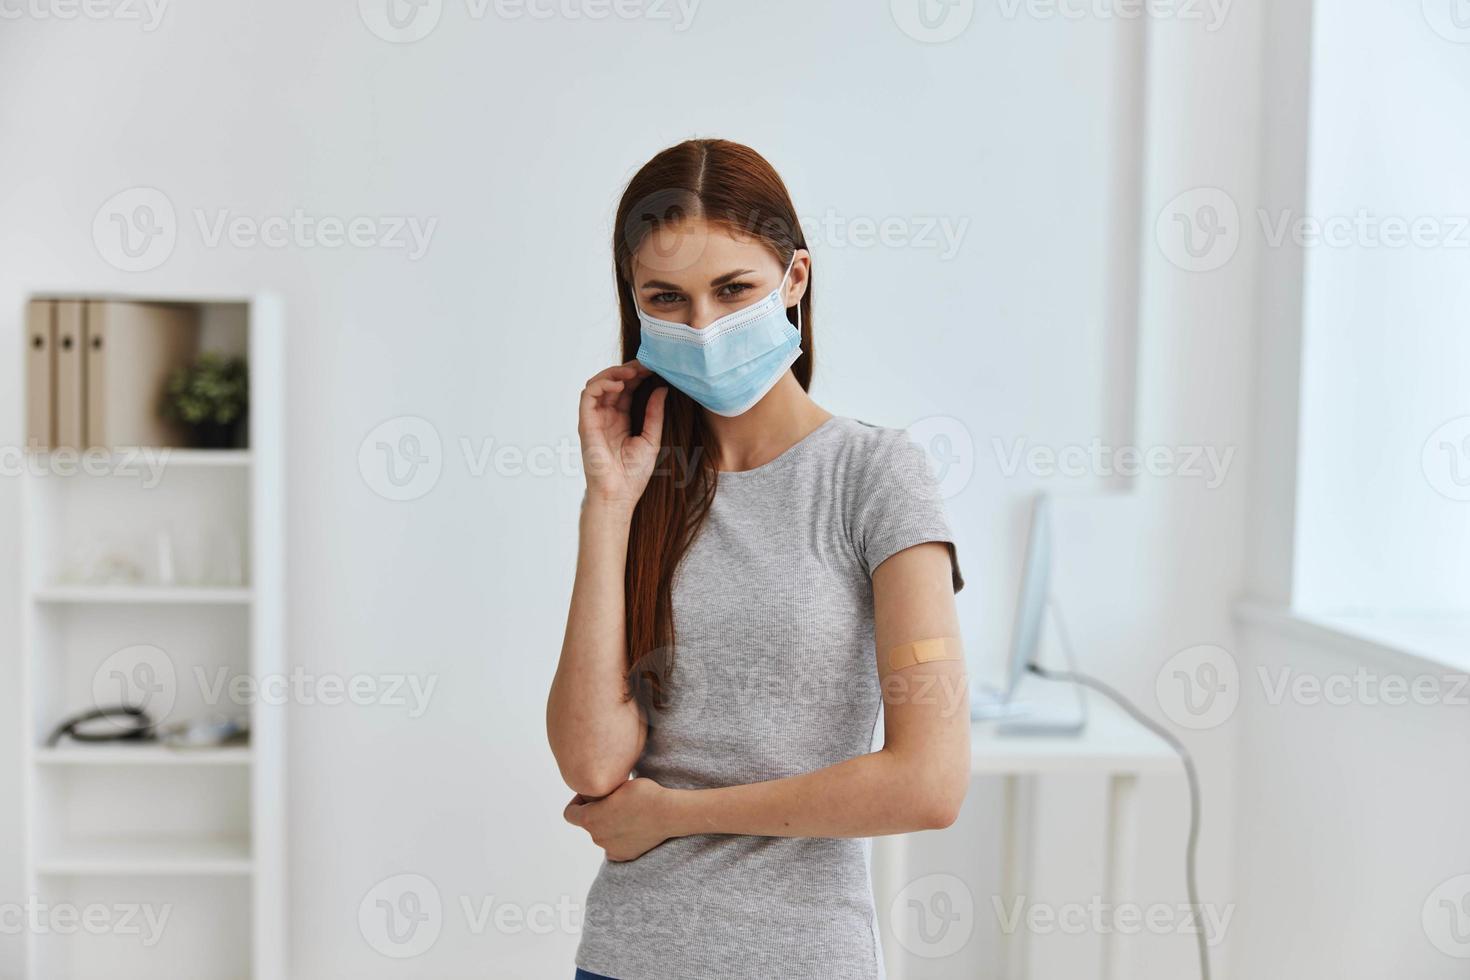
{"x": 1350, "y": 823}
{"x": 514, "y": 135}
{"x": 1385, "y": 306}
{"x": 1352, "y": 827}
{"x": 1349, "y": 848}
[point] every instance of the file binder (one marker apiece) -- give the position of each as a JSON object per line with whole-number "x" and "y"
{"x": 40, "y": 372}
{"x": 131, "y": 348}
{"x": 70, "y": 382}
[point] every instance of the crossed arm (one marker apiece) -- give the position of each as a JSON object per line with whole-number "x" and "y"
{"x": 917, "y": 781}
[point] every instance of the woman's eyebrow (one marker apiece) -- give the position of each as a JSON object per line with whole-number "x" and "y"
{"x": 716, "y": 282}
{"x": 729, "y": 276}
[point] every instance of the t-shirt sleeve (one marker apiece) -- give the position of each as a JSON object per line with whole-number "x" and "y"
{"x": 897, "y": 505}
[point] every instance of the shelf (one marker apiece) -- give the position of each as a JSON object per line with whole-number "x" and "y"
{"x": 204, "y": 457}
{"x": 167, "y": 456}
{"x": 145, "y": 594}
{"x": 123, "y": 754}
{"x": 219, "y": 856}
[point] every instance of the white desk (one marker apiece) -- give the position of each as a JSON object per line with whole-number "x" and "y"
{"x": 1114, "y": 745}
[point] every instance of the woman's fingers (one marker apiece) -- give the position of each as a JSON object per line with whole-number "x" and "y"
{"x": 604, "y": 407}
{"x": 624, "y": 402}
{"x": 599, "y": 395}
{"x": 623, "y": 372}
{"x": 653, "y": 417}
{"x": 606, "y": 387}
{"x": 600, "y": 389}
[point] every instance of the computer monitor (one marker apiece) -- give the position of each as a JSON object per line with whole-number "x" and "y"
{"x": 988, "y": 702}
{"x": 1031, "y": 597}
{"x": 1028, "y": 716}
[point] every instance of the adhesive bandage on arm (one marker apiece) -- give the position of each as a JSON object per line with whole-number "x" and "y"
{"x": 924, "y": 652}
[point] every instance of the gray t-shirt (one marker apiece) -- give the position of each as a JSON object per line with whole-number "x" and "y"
{"x": 774, "y": 674}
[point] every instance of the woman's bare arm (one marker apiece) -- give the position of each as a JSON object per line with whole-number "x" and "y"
{"x": 917, "y": 781}
{"x": 595, "y": 730}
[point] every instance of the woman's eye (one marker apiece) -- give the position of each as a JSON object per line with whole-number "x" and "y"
{"x": 666, "y": 299}
{"x": 734, "y": 289}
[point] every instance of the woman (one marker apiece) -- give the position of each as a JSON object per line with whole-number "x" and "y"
{"x": 756, "y": 576}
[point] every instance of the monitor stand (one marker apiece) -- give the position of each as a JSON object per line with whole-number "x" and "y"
{"x": 992, "y": 704}
{"x": 1034, "y": 706}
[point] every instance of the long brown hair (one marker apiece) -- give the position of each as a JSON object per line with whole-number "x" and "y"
{"x": 733, "y": 187}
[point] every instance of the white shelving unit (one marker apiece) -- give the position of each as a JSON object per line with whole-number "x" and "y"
{"x": 141, "y": 755}
{"x": 145, "y": 595}
{"x": 198, "y": 834}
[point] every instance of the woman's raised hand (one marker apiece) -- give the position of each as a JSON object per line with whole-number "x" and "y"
{"x": 618, "y": 464}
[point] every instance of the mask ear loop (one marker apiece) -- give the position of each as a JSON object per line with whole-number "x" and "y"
{"x": 781, "y": 288}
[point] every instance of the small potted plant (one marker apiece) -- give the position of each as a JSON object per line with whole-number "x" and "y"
{"x": 209, "y": 398}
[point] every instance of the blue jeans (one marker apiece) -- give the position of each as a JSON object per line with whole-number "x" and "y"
{"x": 584, "y": 975}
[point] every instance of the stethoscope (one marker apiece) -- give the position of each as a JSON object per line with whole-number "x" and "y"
{"x": 128, "y": 723}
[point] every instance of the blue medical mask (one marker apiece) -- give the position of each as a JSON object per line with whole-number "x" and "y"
{"x": 729, "y": 365}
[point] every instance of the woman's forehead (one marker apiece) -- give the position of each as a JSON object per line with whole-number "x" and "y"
{"x": 696, "y": 248}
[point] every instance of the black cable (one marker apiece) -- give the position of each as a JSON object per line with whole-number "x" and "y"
{"x": 139, "y": 726}
{"x": 1074, "y": 677}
